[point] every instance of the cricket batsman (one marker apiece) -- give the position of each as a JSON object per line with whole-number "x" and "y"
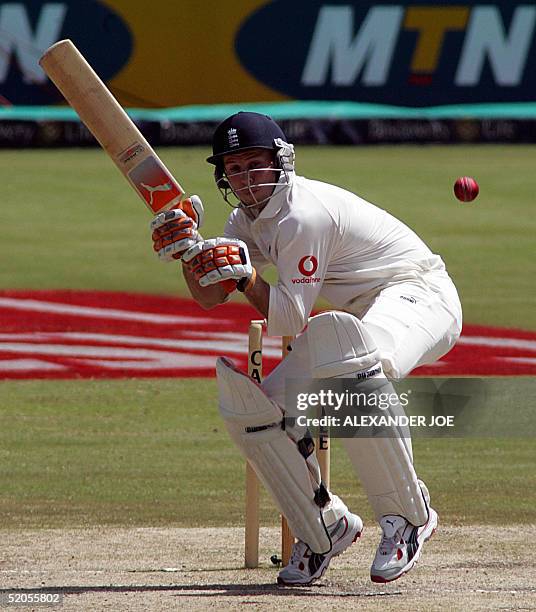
{"x": 394, "y": 308}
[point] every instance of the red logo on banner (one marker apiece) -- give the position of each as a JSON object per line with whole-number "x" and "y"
{"x": 86, "y": 334}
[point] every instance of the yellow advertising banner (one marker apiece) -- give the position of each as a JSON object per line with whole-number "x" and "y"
{"x": 184, "y": 53}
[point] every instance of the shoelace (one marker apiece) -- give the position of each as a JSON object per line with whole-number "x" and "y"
{"x": 388, "y": 544}
{"x": 298, "y": 551}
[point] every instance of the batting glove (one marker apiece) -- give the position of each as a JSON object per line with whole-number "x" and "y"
{"x": 220, "y": 259}
{"x": 175, "y": 231}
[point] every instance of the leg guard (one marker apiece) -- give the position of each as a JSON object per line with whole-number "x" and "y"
{"x": 340, "y": 346}
{"x": 386, "y": 472}
{"x": 254, "y": 423}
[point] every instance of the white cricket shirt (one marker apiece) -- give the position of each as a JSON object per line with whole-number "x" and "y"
{"x": 326, "y": 241}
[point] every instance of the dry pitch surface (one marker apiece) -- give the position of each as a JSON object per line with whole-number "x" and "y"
{"x": 462, "y": 568}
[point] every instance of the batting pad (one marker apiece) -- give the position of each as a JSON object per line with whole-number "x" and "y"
{"x": 384, "y": 465}
{"x": 341, "y": 347}
{"x": 254, "y": 423}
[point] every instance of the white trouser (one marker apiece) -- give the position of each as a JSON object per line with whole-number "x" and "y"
{"x": 410, "y": 334}
{"x": 407, "y": 333}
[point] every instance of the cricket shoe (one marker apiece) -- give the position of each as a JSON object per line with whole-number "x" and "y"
{"x": 306, "y": 566}
{"x": 400, "y": 546}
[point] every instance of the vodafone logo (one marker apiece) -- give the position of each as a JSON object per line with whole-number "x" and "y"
{"x": 308, "y": 265}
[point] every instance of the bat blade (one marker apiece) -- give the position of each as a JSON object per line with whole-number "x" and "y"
{"x": 111, "y": 126}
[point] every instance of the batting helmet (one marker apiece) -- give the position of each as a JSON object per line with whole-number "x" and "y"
{"x": 244, "y": 131}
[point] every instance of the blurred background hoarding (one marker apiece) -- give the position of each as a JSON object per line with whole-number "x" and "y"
{"x": 355, "y": 61}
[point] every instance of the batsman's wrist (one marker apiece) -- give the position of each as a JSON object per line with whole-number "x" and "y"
{"x": 247, "y": 282}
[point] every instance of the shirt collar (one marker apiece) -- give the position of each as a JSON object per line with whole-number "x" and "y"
{"x": 277, "y": 201}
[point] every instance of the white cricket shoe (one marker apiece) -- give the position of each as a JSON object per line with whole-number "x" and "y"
{"x": 400, "y": 546}
{"x": 305, "y": 566}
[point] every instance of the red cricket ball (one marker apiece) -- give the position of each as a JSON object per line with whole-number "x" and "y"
{"x": 466, "y": 189}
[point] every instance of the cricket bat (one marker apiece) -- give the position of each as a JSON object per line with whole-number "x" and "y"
{"x": 111, "y": 126}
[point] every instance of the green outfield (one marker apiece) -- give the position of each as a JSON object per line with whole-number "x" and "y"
{"x": 139, "y": 452}
{"x": 69, "y": 219}
{"x": 146, "y": 452}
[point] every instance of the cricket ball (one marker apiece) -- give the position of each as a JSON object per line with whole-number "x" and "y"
{"x": 466, "y": 189}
